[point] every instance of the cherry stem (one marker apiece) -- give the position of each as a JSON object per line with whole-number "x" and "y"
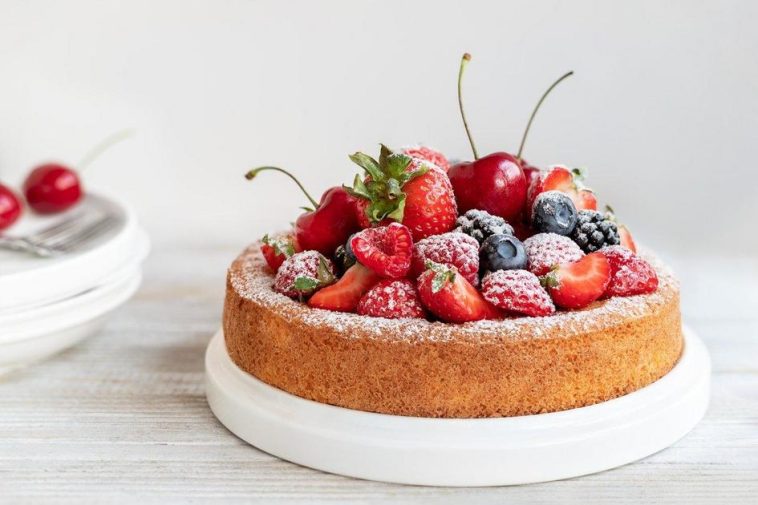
{"x": 254, "y": 172}
{"x": 464, "y": 61}
{"x": 537, "y": 107}
{"x": 103, "y": 146}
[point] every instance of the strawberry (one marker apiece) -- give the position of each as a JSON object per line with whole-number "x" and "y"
{"x": 303, "y": 273}
{"x": 630, "y": 274}
{"x": 451, "y": 297}
{"x": 425, "y": 153}
{"x": 576, "y": 285}
{"x": 624, "y": 234}
{"x": 451, "y": 249}
{"x": 560, "y": 178}
{"x": 277, "y": 249}
{"x": 344, "y": 295}
{"x": 406, "y": 190}
{"x": 387, "y": 250}
{"x": 392, "y": 299}
{"x": 517, "y": 291}
{"x": 546, "y": 250}
{"x": 626, "y": 238}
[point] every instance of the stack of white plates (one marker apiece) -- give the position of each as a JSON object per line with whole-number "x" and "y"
{"x": 49, "y": 304}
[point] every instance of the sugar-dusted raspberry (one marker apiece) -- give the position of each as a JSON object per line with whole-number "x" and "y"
{"x": 392, "y": 299}
{"x": 517, "y": 291}
{"x": 630, "y": 274}
{"x": 303, "y": 273}
{"x": 452, "y": 249}
{"x": 546, "y": 250}
{"x": 427, "y": 154}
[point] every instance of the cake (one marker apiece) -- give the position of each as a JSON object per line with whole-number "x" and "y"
{"x": 488, "y": 288}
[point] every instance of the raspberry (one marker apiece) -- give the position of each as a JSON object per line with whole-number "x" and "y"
{"x": 426, "y": 153}
{"x": 303, "y": 273}
{"x": 546, "y": 250}
{"x": 451, "y": 249}
{"x": 481, "y": 224}
{"x": 517, "y": 291}
{"x": 630, "y": 274}
{"x": 392, "y": 299}
{"x": 387, "y": 250}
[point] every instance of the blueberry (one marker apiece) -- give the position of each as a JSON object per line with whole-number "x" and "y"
{"x": 502, "y": 252}
{"x": 554, "y": 212}
{"x": 343, "y": 256}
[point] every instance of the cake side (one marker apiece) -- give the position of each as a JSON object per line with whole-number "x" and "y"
{"x": 429, "y": 369}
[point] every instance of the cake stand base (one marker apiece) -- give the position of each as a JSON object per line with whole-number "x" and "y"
{"x": 460, "y": 452}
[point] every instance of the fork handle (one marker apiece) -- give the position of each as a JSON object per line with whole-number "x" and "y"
{"x": 23, "y": 245}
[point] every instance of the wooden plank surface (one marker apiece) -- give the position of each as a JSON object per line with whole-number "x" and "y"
{"x": 123, "y": 417}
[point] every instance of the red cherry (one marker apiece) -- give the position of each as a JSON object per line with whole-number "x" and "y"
{"x": 52, "y": 188}
{"x": 329, "y": 224}
{"x": 494, "y": 183}
{"x": 10, "y": 207}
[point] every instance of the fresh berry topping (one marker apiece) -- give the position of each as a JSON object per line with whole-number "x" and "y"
{"x": 344, "y": 295}
{"x": 595, "y": 230}
{"x": 451, "y": 297}
{"x": 554, "y": 212}
{"x": 406, "y": 190}
{"x": 630, "y": 274}
{"x": 546, "y": 250}
{"x": 517, "y": 291}
{"x": 343, "y": 256}
{"x": 626, "y": 238}
{"x": 277, "y": 249}
{"x": 451, "y": 249}
{"x": 570, "y": 182}
{"x": 303, "y": 273}
{"x": 387, "y": 250}
{"x": 576, "y": 285}
{"x": 392, "y": 299}
{"x": 425, "y": 153}
{"x": 10, "y": 207}
{"x": 480, "y": 224}
{"x": 502, "y": 252}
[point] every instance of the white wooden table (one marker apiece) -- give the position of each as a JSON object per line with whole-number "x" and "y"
{"x": 123, "y": 417}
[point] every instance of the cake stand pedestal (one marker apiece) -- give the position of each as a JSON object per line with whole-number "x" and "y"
{"x": 460, "y": 452}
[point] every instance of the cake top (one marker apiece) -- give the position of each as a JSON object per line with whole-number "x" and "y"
{"x": 495, "y": 241}
{"x": 252, "y": 279}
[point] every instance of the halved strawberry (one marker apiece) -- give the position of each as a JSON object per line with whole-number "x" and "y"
{"x": 450, "y": 297}
{"x": 277, "y": 249}
{"x": 344, "y": 295}
{"x": 576, "y": 285}
{"x": 560, "y": 178}
{"x": 387, "y": 250}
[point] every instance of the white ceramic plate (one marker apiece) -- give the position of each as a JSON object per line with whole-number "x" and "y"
{"x": 27, "y": 281}
{"x": 460, "y": 452}
{"x": 39, "y": 333}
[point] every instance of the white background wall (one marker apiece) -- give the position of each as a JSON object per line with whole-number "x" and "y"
{"x": 663, "y": 108}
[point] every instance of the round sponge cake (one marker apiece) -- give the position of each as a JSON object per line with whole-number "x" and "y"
{"x": 413, "y": 367}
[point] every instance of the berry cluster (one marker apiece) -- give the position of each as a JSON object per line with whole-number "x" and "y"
{"x": 416, "y": 237}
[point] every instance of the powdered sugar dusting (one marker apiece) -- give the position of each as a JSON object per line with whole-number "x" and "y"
{"x": 545, "y": 250}
{"x": 451, "y": 249}
{"x": 252, "y": 280}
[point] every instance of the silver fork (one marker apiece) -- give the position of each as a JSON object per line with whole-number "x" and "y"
{"x": 61, "y": 238}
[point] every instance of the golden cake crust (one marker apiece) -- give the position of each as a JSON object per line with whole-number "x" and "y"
{"x": 418, "y": 368}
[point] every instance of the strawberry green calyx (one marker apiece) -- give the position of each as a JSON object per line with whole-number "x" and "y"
{"x": 442, "y": 275}
{"x": 383, "y": 184}
{"x": 284, "y": 247}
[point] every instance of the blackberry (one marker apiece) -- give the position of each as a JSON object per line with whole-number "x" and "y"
{"x": 481, "y": 224}
{"x": 595, "y": 230}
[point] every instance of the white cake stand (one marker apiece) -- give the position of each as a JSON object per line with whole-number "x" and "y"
{"x": 460, "y": 452}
